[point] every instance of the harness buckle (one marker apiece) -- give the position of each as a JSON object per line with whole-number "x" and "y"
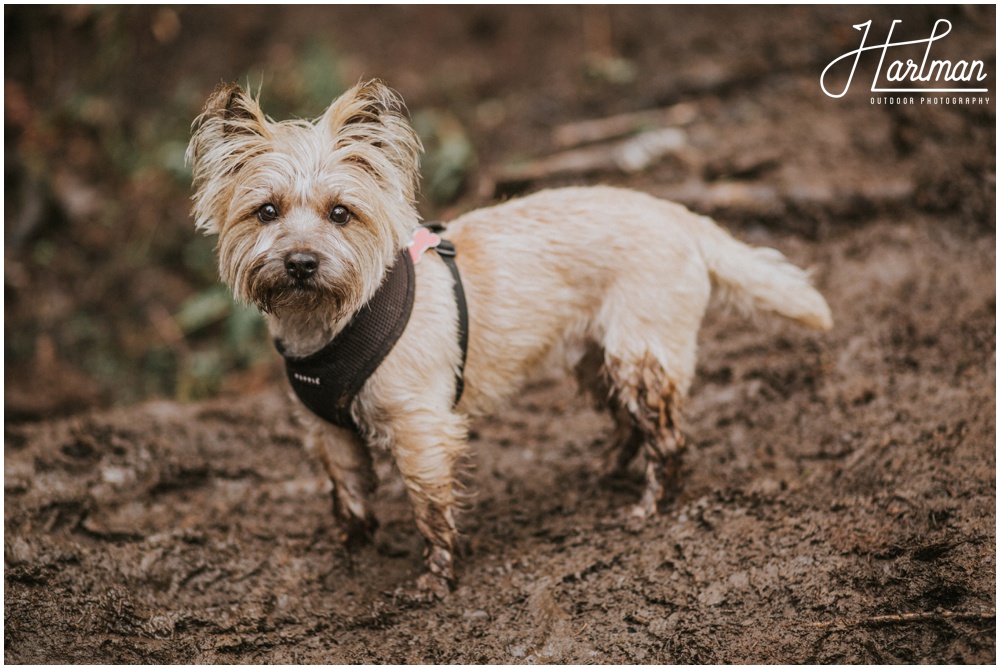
{"x": 446, "y": 248}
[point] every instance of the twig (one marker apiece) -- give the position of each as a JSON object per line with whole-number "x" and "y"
{"x": 571, "y": 135}
{"x": 898, "y": 618}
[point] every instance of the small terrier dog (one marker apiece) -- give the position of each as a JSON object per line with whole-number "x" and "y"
{"x": 311, "y": 215}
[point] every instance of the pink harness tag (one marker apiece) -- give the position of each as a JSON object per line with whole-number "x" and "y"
{"x": 423, "y": 239}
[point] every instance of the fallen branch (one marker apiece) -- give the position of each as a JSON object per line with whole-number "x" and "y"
{"x": 902, "y": 618}
{"x": 630, "y": 156}
{"x": 765, "y": 199}
{"x": 571, "y": 135}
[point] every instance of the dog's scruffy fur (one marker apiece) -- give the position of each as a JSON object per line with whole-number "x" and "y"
{"x": 626, "y": 273}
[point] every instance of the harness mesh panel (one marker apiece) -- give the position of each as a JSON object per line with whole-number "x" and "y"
{"x": 327, "y": 381}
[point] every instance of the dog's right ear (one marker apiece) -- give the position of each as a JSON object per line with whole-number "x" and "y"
{"x": 230, "y": 130}
{"x": 239, "y": 112}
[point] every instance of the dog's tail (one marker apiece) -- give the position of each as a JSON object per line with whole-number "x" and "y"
{"x": 761, "y": 279}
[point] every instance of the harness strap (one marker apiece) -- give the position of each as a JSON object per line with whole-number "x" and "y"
{"x": 447, "y": 252}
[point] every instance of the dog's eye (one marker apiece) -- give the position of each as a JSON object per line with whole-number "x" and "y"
{"x": 340, "y": 215}
{"x": 267, "y": 213}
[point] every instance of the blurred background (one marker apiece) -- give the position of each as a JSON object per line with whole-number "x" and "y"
{"x": 111, "y": 297}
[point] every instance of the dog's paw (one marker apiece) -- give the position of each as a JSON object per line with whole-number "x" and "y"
{"x": 425, "y": 589}
{"x": 353, "y": 532}
{"x": 632, "y": 519}
{"x": 638, "y": 515}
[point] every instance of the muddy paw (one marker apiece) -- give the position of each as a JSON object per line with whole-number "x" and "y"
{"x": 638, "y": 516}
{"x": 355, "y": 532}
{"x": 424, "y": 589}
{"x": 632, "y": 519}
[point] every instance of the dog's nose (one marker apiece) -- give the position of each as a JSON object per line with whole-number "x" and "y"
{"x": 301, "y": 265}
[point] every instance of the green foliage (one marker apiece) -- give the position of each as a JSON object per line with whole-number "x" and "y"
{"x": 245, "y": 336}
{"x": 201, "y": 375}
{"x": 231, "y": 336}
{"x": 319, "y": 68}
{"x": 449, "y": 156}
{"x": 120, "y": 281}
{"x": 205, "y": 308}
{"x": 199, "y": 257}
{"x": 301, "y": 87}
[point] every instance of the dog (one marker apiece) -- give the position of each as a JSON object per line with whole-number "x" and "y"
{"x": 312, "y": 217}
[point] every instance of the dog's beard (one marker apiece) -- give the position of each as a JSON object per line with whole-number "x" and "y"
{"x": 268, "y": 286}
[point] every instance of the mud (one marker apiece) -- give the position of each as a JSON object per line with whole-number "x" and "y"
{"x": 838, "y": 499}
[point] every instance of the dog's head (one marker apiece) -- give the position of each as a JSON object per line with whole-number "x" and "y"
{"x": 309, "y": 213}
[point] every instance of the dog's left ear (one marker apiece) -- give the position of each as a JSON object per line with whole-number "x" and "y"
{"x": 231, "y": 130}
{"x": 368, "y": 124}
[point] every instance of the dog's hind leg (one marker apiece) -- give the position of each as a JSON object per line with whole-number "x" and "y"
{"x": 628, "y": 441}
{"x": 644, "y": 403}
{"x": 650, "y": 341}
{"x": 646, "y": 393}
{"x": 348, "y": 462}
{"x": 592, "y": 378}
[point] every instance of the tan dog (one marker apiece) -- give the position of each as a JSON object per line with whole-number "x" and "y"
{"x": 627, "y": 273}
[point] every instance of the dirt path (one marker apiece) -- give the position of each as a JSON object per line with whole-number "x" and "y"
{"x": 839, "y": 499}
{"x": 834, "y": 479}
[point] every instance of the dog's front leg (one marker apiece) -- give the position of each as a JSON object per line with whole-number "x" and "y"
{"x": 427, "y": 447}
{"x": 348, "y": 461}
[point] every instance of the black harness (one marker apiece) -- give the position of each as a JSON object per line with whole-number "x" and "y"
{"x": 328, "y": 380}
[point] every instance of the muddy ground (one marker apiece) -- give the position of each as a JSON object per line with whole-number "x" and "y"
{"x": 839, "y": 494}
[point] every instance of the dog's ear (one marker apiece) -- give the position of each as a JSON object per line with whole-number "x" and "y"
{"x": 231, "y": 130}
{"x": 238, "y": 110}
{"x": 369, "y": 127}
